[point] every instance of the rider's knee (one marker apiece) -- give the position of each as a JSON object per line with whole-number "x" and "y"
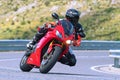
{"x": 72, "y": 61}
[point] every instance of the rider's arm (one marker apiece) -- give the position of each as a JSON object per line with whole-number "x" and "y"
{"x": 80, "y": 31}
{"x": 47, "y": 26}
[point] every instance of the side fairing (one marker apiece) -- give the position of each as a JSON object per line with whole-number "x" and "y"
{"x": 35, "y": 57}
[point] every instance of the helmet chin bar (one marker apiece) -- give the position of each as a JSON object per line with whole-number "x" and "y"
{"x": 74, "y": 22}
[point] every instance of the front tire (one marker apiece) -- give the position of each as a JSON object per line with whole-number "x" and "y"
{"x": 50, "y": 59}
{"x": 23, "y": 64}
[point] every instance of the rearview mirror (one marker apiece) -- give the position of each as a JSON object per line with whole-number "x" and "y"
{"x": 55, "y": 16}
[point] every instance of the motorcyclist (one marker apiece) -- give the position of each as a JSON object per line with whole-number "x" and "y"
{"x": 71, "y": 15}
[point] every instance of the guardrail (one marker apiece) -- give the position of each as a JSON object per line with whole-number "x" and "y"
{"x": 13, "y": 45}
{"x": 115, "y": 54}
{"x": 20, "y": 45}
{"x": 99, "y": 45}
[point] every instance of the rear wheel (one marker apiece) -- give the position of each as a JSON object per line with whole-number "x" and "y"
{"x": 49, "y": 60}
{"x": 23, "y": 64}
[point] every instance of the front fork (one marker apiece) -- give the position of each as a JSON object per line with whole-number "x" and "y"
{"x": 51, "y": 48}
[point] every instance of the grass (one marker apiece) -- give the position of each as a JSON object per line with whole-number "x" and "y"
{"x": 102, "y": 23}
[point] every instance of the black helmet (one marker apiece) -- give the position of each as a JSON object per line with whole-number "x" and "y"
{"x": 73, "y": 16}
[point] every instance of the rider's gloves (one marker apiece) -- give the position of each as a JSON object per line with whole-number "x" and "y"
{"x": 30, "y": 45}
{"x": 82, "y": 34}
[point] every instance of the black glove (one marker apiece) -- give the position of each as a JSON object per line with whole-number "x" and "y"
{"x": 82, "y": 34}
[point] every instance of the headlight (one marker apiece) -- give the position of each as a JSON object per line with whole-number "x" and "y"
{"x": 69, "y": 42}
{"x": 58, "y": 34}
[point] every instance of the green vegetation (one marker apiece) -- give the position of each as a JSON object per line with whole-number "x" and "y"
{"x": 103, "y": 25}
{"x": 19, "y": 19}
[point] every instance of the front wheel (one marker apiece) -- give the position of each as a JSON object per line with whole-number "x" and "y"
{"x": 24, "y": 66}
{"x": 49, "y": 60}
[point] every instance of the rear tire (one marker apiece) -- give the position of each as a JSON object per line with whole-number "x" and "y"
{"x": 24, "y": 66}
{"x": 49, "y": 62}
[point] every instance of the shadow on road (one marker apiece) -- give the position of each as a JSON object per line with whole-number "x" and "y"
{"x": 72, "y": 74}
{"x": 69, "y": 74}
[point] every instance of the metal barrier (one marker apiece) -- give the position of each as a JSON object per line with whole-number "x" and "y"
{"x": 20, "y": 45}
{"x": 13, "y": 45}
{"x": 98, "y": 45}
{"x": 115, "y": 54}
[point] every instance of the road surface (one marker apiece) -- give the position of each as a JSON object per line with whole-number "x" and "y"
{"x": 87, "y": 61}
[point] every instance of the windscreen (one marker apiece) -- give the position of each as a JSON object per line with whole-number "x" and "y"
{"x": 68, "y": 27}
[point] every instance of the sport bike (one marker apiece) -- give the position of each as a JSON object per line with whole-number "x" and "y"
{"x": 51, "y": 48}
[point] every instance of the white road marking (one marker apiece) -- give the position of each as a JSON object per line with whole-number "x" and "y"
{"x": 9, "y": 68}
{"x": 92, "y": 57}
{"x": 107, "y": 72}
{"x": 9, "y": 59}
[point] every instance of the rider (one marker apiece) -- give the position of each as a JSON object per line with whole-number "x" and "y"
{"x": 72, "y": 15}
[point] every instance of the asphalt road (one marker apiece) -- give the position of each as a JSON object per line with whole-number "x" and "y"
{"x": 84, "y": 69}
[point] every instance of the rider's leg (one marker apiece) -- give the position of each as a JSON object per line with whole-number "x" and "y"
{"x": 69, "y": 58}
{"x": 35, "y": 39}
{"x": 38, "y": 35}
{"x": 64, "y": 60}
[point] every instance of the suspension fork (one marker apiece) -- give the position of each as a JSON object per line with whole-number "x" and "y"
{"x": 52, "y": 44}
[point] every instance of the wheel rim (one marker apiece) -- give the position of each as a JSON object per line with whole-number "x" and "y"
{"x": 46, "y": 58}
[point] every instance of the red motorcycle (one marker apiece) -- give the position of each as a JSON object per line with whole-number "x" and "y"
{"x": 50, "y": 48}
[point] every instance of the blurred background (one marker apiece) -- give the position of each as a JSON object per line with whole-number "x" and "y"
{"x": 19, "y": 19}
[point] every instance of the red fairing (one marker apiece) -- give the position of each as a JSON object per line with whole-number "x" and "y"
{"x": 35, "y": 58}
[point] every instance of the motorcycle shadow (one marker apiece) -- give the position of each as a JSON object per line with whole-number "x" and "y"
{"x": 71, "y": 74}
{"x": 68, "y": 74}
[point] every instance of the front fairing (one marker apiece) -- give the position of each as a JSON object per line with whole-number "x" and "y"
{"x": 66, "y": 29}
